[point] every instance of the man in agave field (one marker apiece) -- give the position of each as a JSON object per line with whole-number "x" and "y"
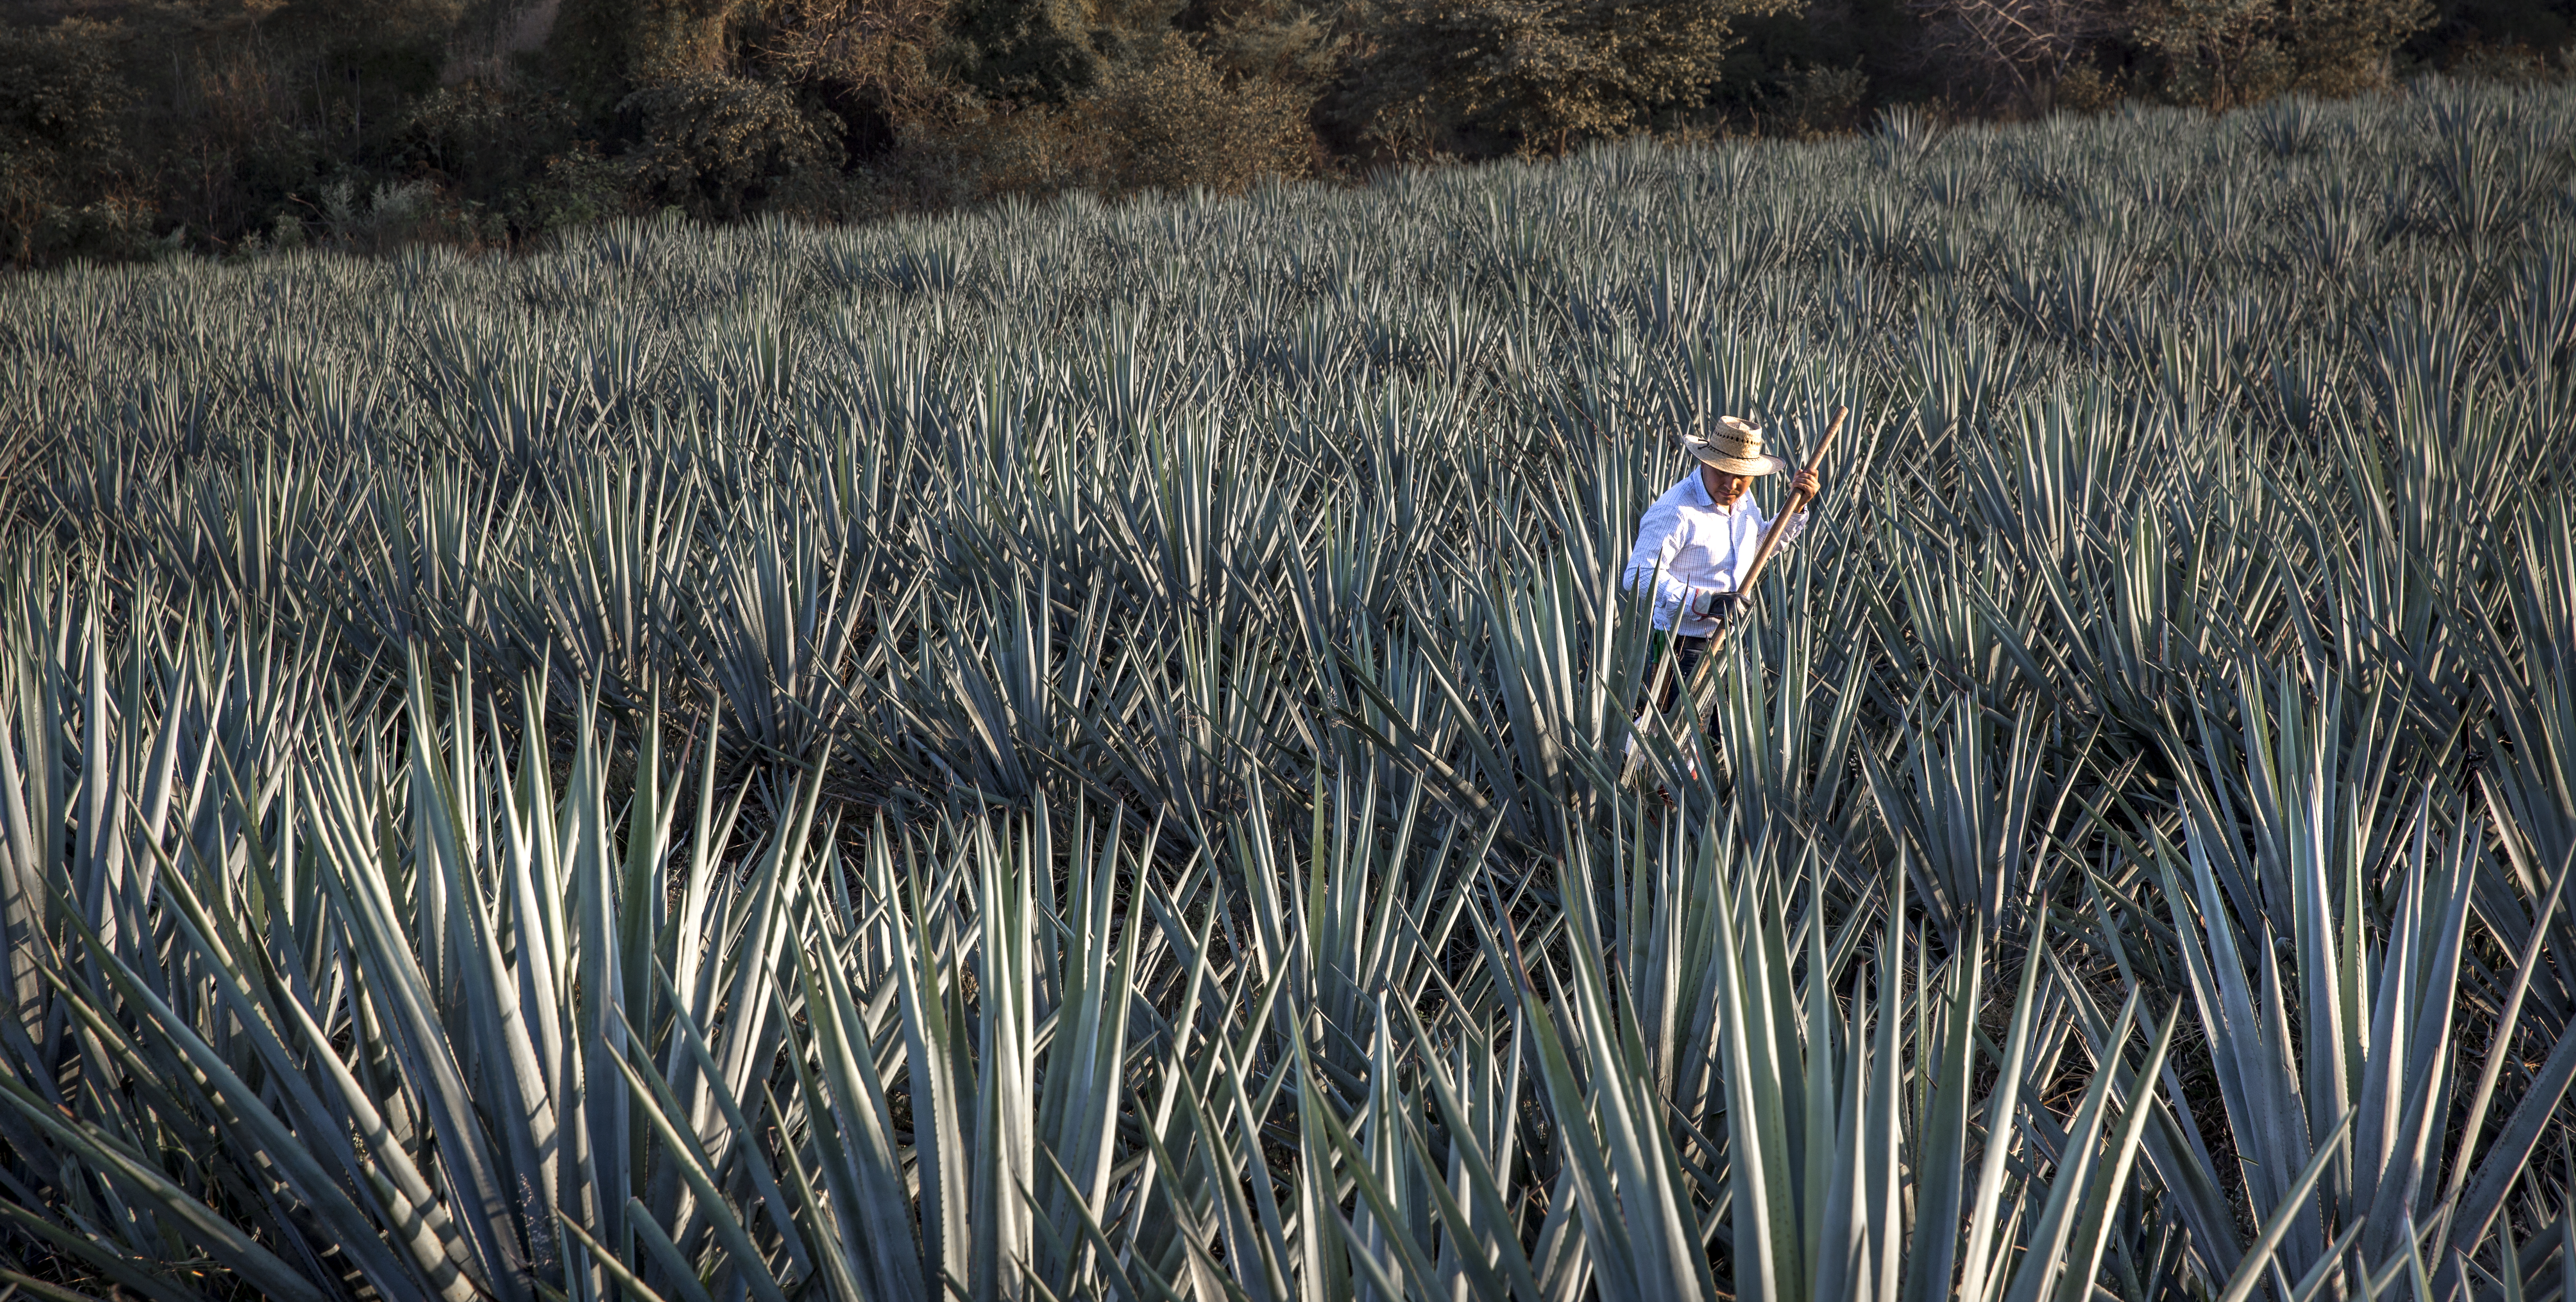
{"x": 1698, "y": 540}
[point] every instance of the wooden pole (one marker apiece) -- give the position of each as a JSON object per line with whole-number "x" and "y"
{"x": 1703, "y": 679}
{"x": 1798, "y": 499}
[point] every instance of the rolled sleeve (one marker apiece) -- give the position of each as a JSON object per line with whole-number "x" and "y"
{"x": 1673, "y": 598}
{"x": 1789, "y": 533}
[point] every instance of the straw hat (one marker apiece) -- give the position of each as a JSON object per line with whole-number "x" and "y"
{"x": 1734, "y": 447}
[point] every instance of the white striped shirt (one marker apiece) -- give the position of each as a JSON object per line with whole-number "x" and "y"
{"x": 1688, "y": 547}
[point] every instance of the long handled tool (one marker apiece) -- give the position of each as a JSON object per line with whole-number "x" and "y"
{"x": 1699, "y": 695}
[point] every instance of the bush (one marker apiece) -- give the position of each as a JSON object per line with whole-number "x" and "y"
{"x": 512, "y": 158}
{"x": 2017, "y": 55}
{"x": 1279, "y": 39}
{"x": 61, "y": 142}
{"x": 109, "y": 229}
{"x": 877, "y": 50}
{"x": 1544, "y": 73}
{"x": 579, "y": 187}
{"x": 1171, "y": 120}
{"x": 387, "y": 215}
{"x": 1814, "y": 101}
{"x": 1023, "y": 51}
{"x": 714, "y": 144}
{"x": 2342, "y": 47}
{"x": 2228, "y": 53}
{"x": 602, "y": 51}
{"x": 483, "y": 137}
{"x": 2083, "y": 89}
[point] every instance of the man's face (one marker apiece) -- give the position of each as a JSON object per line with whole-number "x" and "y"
{"x": 1724, "y": 488}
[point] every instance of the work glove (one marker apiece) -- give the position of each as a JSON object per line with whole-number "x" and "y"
{"x": 1721, "y": 606}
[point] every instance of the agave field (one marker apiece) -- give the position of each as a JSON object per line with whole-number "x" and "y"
{"x": 1071, "y": 750}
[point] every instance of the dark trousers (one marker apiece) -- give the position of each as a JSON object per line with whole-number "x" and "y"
{"x": 1685, "y": 652}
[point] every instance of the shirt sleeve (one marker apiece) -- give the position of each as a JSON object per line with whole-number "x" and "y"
{"x": 1651, "y": 561}
{"x": 1797, "y": 525}
{"x": 1750, "y": 541}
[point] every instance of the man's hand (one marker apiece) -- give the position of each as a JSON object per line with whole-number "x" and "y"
{"x": 1721, "y": 606}
{"x": 1807, "y": 483}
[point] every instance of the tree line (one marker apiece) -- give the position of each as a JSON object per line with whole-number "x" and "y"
{"x": 134, "y": 127}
